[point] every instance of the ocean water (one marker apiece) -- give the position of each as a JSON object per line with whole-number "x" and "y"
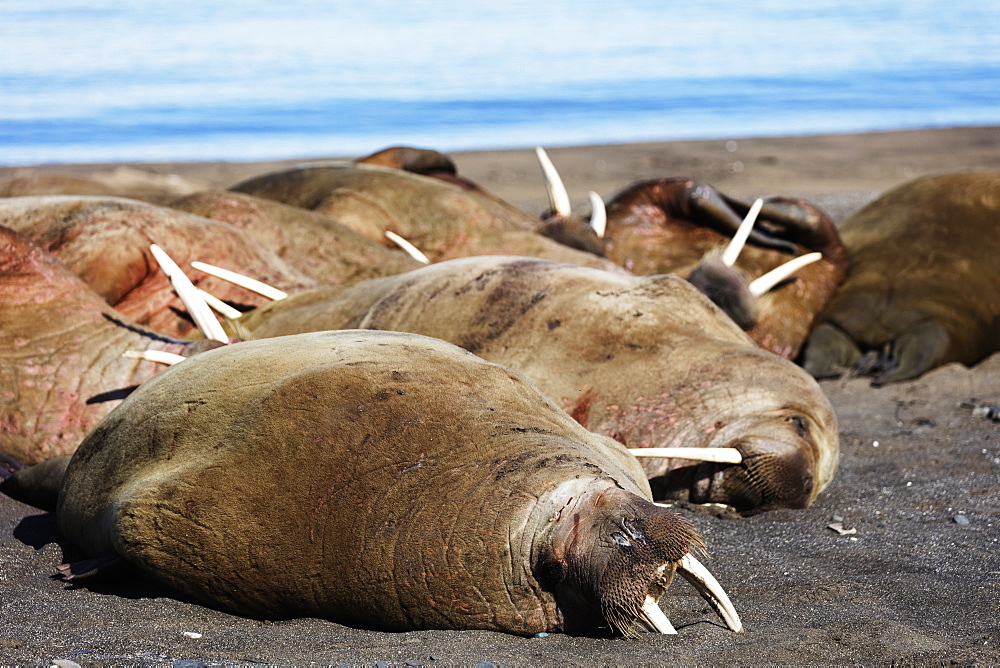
{"x": 146, "y": 80}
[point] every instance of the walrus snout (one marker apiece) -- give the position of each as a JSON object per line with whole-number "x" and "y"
{"x": 771, "y": 475}
{"x": 615, "y": 555}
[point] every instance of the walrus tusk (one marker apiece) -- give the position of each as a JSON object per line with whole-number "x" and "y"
{"x": 720, "y": 455}
{"x": 220, "y": 307}
{"x": 761, "y": 285}
{"x": 410, "y": 249}
{"x": 196, "y": 306}
{"x": 654, "y": 617}
{"x": 250, "y": 284}
{"x": 598, "y": 215}
{"x": 740, "y": 238}
{"x": 694, "y": 572}
{"x": 158, "y": 356}
{"x": 558, "y": 197}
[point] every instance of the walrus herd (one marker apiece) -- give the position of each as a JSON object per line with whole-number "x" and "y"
{"x": 478, "y": 443}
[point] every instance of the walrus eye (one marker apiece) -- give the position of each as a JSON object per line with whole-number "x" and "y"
{"x": 800, "y": 423}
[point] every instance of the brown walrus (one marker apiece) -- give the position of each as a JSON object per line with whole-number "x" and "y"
{"x": 61, "y": 346}
{"x": 646, "y": 360}
{"x": 442, "y": 220}
{"x": 105, "y": 241}
{"x": 679, "y": 226}
{"x": 406, "y": 484}
{"x": 924, "y": 288}
{"x": 318, "y": 246}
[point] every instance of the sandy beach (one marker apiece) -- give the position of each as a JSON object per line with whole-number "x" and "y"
{"x": 914, "y": 579}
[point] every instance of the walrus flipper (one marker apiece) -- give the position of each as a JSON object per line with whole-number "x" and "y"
{"x": 89, "y": 569}
{"x": 916, "y": 350}
{"x": 36, "y": 485}
{"x": 829, "y": 352}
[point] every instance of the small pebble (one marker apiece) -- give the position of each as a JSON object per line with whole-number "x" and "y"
{"x": 960, "y": 519}
{"x": 191, "y": 634}
{"x": 541, "y": 635}
{"x": 486, "y": 664}
{"x": 837, "y": 518}
{"x": 434, "y": 657}
{"x": 874, "y": 444}
{"x": 64, "y": 663}
{"x": 414, "y": 662}
{"x": 188, "y": 663}
{"x": 381, "y": 664}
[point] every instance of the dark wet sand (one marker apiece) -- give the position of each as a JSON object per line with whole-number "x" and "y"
{"x": 918, "y": 583}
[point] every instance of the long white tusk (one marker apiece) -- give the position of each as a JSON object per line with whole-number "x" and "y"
{"x": 196, "y": 306}
{"x": 251, "y": 284}
{"x": 721, "y": 455}
{"x": 558, "y": 197}
{"x": 740, "y": 238}
{"x": 598, "y": 215}
{"x": 694, "y": 572}
{"x": 654, "y": 617}
{"x": 761, "y": 285}
{"x": 410, "y": 249}
{"x": 158, "y": 356}
{"x": 221, "y": 307}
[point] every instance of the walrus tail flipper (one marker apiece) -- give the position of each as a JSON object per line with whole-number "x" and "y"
{"x": 88, "y": 569}
{"x": 916, "y": 350}
{"x": 829, "y": 352}
{"x": 36, "y": 485}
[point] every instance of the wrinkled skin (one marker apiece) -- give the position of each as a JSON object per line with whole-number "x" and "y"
{"x": 408, "y": 485}
{"x": 646, "y": 360}
{"x": 105, "y": 241}
{"x": 924, "y": 288}
{"x": 441, "y": 219}
{"x": 61, "y": 345}
{"x": 318, "y": 246}
{"x": 670, "y": 225}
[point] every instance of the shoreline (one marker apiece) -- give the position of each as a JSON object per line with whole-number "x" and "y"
{"x": 816, "y": 167}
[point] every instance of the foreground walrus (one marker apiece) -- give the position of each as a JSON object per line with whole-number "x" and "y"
{"x": 646, "y": 360}
{"x": 377, "y": 479}
{"x": 924, "y": 289}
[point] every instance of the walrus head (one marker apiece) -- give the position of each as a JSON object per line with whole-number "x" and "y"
{"x": 614, "y": 554}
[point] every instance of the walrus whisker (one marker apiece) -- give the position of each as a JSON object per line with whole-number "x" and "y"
{"x": 410, "y": 249}
{"x": 765, "y": 283}
{"x": 653, "y": 616}
{"x": 719, "y": 455}
{"x": 558, "y": 197}
{"x": 220, "y": 307}
{"x": 702, "y": 580}
{"x": 735, "y": 246}
{"x": 598, "y": 215}
{"x": 251, "y": 284}
{"x": 158, "y": 356}
{"x": 196, "y": 306}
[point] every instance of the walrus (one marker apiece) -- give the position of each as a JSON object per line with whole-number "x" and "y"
{"x": 61, "y": 347}
{"x": 378, "y": 479}
{"x": 443, "y": 220}
{"x": 680, "y": 226}
{"x": 648, "y": 361}
{"x": 924, "y": 289}
{"x": 316, "y": 245}
{"x": 106, "y": 240}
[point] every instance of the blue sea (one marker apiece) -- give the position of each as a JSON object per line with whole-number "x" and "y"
{"x": 147, "y": 80}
